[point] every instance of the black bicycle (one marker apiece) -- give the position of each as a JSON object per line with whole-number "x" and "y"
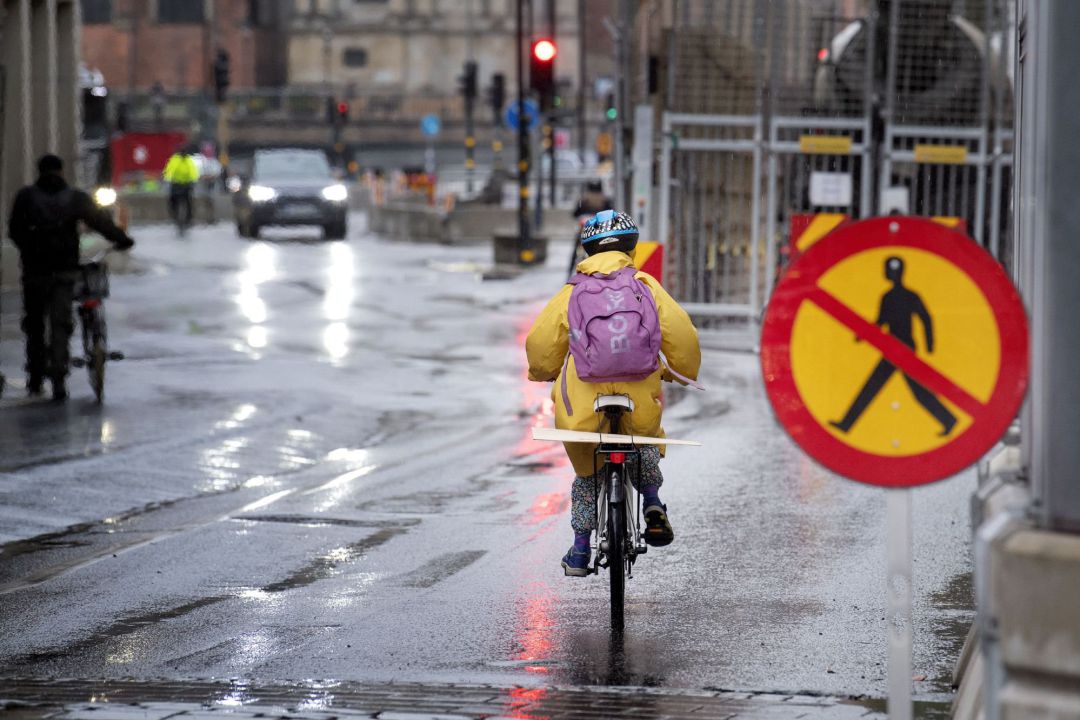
{"x": 91, "y": 289}
{"x": 618, "y": 525}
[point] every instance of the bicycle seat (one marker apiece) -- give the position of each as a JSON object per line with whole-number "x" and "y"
{"x": 606, "y": 401}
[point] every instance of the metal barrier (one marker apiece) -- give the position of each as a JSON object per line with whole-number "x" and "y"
{"x": 715, "y": 210}
{"x": 776, "y": 111}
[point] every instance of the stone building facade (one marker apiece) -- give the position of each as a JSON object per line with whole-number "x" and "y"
{"x": 38, "y": 108}
{"x": 420, "y": 46}
{"x": 137, "y": 43}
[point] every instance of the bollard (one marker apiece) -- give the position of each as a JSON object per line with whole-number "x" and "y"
{"x": 509, "y": 250}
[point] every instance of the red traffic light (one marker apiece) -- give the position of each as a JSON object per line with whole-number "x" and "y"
{"x": 544, "y": 50}
{"x": 343, "y": 108}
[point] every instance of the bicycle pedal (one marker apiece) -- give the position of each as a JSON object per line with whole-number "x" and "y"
{"x": 116, "y": 355}
{"x": 78, "y": 362}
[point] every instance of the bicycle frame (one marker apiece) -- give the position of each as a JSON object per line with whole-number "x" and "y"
{"x": 618, "y": 489}
{"x": 92, "y": 289}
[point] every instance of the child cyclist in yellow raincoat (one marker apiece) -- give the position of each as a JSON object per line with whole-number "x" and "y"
{"x": 609, "y": 239}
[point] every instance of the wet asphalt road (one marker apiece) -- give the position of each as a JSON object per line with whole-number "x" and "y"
{"x": 315, "y": 464}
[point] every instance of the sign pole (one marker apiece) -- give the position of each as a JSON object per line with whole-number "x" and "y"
{"x": 899, "y": 591}
{"x": 524, "y": 240}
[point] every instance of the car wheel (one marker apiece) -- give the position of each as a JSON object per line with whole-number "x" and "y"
{"x": 335, "y": 231}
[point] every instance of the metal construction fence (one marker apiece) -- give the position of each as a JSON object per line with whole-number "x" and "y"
{"x": 784, "y": 118}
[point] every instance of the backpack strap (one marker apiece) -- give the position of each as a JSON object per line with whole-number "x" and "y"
{"x": 566, "y": 395}
{"x": 680, "y": 377}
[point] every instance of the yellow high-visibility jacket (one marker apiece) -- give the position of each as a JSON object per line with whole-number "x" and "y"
{"x": 548, "y": 345}
{"x": 181, "y": 170}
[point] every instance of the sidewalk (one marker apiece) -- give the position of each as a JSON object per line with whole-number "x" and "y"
{"x": 127, "y": 700}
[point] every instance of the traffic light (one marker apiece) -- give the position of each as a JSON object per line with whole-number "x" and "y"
{"x": 498, "y": 95}
{"x": 542, "y": 70}
{"x": 342, "y": 110}
{"x": 221, "y": 75}
{"x": 468, "y": 80}
{"x": 610, "y": 110}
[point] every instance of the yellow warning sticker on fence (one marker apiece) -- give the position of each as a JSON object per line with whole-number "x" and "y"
{"x": 941, "y": 154}
{"x": 825, "y": 144}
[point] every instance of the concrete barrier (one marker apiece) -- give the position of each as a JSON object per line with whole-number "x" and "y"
{"x": 510, "y": 251}
{"x": 154, "y": 208}
{"x": 464, "y": 225}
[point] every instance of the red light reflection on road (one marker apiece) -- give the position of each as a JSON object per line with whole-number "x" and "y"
{"x": 547, "y": 506}
{"x": 536, "y": 401}
{"x": 519, "y": 699}
{"x": 534, "y": 632}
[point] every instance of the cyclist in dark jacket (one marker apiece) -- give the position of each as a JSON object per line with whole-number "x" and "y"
{"x": 44, "y": 225}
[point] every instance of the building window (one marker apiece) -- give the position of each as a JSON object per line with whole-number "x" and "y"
{"x": 96, "y": 12}
{"x": 180, "y": 11}
{"x": 355, "y": 57}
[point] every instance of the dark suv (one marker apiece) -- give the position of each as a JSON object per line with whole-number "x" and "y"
{"x": 291, "y": 187}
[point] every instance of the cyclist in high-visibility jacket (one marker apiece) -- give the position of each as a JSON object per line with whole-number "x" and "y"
{"x": 609, "y": 239}
{"x": 181, "y": 173}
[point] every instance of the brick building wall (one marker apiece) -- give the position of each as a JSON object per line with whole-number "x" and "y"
{"x": 135, "y": 43}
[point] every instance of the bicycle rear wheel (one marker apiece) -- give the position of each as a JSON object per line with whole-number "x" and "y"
{"x": 616, "y": 558}
{"x": 97, "y": 353}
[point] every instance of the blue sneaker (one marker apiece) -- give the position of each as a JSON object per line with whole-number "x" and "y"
{"x": 575, "y": 562}
{"x": 658, "y": 532}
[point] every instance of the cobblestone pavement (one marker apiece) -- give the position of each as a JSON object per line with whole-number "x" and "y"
{"x": 118, "y": 700}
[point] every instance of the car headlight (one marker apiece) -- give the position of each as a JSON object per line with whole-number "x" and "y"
{"x": 336, "y": 193}
{"x": 105, "y": 197}
{"x": 261, "y": 193}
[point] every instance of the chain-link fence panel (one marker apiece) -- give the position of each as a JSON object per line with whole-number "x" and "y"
{"x": 787, "y": 117}
{"x": 712, "y": 212}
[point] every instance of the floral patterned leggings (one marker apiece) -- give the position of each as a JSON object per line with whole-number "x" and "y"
{"x": 584, "y": 491}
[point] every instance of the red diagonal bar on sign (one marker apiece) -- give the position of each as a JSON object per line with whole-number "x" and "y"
{"x": 897, "y": 353}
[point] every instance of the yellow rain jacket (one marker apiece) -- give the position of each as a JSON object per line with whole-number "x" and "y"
{"x": 181, "y": 170}
{"x": 548, "y": 345}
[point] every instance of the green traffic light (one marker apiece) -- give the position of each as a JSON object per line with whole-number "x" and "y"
{"x": 612, "y": 113}
{"x": 558, "y": 101}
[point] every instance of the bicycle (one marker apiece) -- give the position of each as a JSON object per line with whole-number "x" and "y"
{"x": 619, "y": 540}
{"x": 91, "y": 289}
{"x": 618, "y": 511}
{"x": 181, "y": 207}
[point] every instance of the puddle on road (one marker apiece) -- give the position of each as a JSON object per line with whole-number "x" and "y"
{"x": 120, "y": 628}
{"x": 324, "y": 566}
{"x": 320, "y": 568}
{"x": 316, "y": 521}
{"x": 441, "y": 568}
{"x": 955, "y": 612}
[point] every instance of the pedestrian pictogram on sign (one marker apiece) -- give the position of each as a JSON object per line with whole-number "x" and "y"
{"x": 894, "y": 351}
{"x": 899, "y": 308}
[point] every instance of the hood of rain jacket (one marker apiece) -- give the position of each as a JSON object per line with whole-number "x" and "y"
{"x": 548, "y": 345}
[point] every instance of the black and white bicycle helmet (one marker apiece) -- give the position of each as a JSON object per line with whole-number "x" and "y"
{"x": 609, "y": 230}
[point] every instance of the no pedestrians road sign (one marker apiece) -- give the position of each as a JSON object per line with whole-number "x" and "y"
{"x": 895, "y": 351}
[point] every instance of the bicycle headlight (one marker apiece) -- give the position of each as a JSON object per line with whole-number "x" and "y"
{"x": 261, "y": 193}
{"x": 105, "y": 197}
{"x": 336, "y": 193}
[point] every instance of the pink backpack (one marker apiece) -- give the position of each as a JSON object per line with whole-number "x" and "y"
{"x": 614, "y": 329}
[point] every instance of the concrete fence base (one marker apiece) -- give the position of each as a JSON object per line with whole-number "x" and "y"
{"x": 465, "y": 224}
{"x": 154, "y": 208}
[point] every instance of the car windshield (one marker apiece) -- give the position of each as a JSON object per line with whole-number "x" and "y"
{"x": 286, "y": 165}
